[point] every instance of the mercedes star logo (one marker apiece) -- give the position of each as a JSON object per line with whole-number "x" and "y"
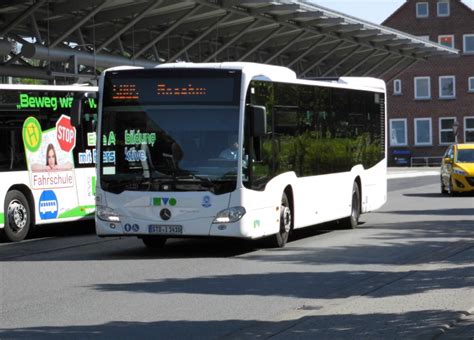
{"x": 165, "y": 214}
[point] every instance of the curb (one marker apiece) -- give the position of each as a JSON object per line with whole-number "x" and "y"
{"x": 412, "y": 174}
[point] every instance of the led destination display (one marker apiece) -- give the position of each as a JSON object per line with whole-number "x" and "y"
{"x": 151, "y": 87}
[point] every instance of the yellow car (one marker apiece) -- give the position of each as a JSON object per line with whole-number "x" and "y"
{"x": 457, "y": 169}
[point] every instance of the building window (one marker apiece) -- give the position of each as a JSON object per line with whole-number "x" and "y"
{"x": 423, "y": 131}
{"x": 422, "y": 88}
{"x": 398, "y": 132}
{"x": 447, "y": 87}
{"x": 397, "y": 86}
{"x": 468, "y": 43}
{"x": 422, "y": 10}
{"x": 446, "y": 133}
{"x": 443, "y": 8}
{"x": 471, "y": 84}
{"x": 468, "y": 129}
{"x": 446, "y": 40}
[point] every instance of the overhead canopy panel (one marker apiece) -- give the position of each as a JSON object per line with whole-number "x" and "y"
{"x": 66, "y": 40}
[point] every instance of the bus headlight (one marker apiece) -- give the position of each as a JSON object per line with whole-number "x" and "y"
{"x": 107, "y": 214}
{"x": 458, "y": 171}
{"x": 229, "y": 215}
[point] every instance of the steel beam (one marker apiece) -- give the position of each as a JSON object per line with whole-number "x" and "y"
{"x": 413, "y": 62}
{"x": 309, "y": 50}
{"x": 231, "y": 41}
{"x": 373, "y": 54}
{"x": 347, "y": 57}
{"x": 287, "y": 46}
{"x": 36, "y": 30}
{"x": 8, "y": 27}
{"x": 167, "y": 31}
{"x": 376, "y": 65}
{"x": 199, "y": 38}
{"x": 384, "y": 72}
{"x": 128, "y": 25}
{"x": 79, "y": 24}
{"x": 262, "y": 42}
{"x": 320, "y": 60}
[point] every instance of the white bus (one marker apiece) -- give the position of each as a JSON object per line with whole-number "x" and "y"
{"x": 47, "y": 165}
{"x": 235, "y": 150}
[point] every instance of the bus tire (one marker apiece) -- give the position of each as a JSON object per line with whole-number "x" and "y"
{"x": 154, "y": 242}
{"x": 352, "y": 221}
{"x": 18, "y": 218}
{"x": 286, "y": 223}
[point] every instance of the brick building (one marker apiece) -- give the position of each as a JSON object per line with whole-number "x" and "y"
{"x": 431, "y": 104}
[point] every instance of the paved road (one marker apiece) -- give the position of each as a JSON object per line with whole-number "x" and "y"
{"x": 406, "y": 272}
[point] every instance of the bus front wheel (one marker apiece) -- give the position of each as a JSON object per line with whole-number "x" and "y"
{"x": 286, "y": 221}
{"x": 17, "y": 216}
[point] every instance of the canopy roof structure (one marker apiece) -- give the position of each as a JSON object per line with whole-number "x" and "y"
{"x": 67, "y": 40}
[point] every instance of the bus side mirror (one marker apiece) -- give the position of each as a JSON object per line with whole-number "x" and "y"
{"x": 259, "y": 121}
{"x": 78, "y": 106}
{"x": 448, "y": 160}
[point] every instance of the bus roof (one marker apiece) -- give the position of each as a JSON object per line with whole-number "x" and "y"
{"x": 275, "y": 73}
{"x": 67, "y": 88}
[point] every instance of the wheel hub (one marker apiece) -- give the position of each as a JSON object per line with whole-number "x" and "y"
{"x": 286, "y": 217}
{"x": 17, "y": 215}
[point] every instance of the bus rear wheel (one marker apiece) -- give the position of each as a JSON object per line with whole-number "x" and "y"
{"x": 286, "y": 221}
{"x": 154, "y": 242}
{"x": 17, "y": 216}
{"x": 352, "y": 221}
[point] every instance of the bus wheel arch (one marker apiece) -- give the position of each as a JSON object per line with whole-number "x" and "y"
{"x": 280, "y": 239}
{"x": 19, "y": 212}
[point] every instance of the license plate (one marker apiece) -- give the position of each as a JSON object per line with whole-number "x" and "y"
{"x": 165, "y": 229}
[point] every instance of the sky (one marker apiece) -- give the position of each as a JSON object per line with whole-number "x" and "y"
{"x": 375, "y": 11}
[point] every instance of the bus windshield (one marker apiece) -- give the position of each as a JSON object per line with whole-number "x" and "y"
{"x": 169, "y": 147}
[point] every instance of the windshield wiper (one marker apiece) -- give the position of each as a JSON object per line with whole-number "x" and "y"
{"x": 203, "y": 180}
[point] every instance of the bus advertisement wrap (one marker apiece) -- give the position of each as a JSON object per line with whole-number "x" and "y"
{"x": 47, "y": 163}
{"x": 50, "y": 167}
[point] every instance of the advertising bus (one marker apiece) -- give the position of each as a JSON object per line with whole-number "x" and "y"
{"x": 47, "y": 164}
{"x": 236, "y": 150}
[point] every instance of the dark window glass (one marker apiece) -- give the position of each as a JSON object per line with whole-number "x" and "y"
{"x": 314, "y": 131}
{"x": 46, "y": 107}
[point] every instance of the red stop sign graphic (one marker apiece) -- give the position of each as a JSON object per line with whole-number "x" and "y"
{"x": 65, "y": 133}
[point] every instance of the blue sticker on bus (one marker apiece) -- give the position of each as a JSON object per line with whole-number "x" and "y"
{"x": 131, "y": 227}
{"x": 48, "y": 205}
{"x": 206, "y": 201}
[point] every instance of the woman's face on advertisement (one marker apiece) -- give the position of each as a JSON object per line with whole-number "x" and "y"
{"x": 51, "y": 158}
